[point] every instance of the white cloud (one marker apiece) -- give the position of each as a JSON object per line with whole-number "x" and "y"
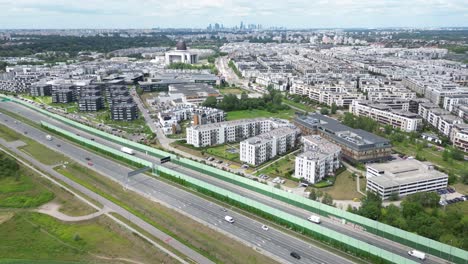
{"x": 301, "y": 13}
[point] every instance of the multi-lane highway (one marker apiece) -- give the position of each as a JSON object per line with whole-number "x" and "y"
{"x": 329, "y": 223}
{"x": 272, "y": 242}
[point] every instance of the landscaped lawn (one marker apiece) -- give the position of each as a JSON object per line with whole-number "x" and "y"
{"x": 432, "y": 156}
{"x": 222, "y": 152}
{"x": 284, "y": 114}
{"x": 281, "y": 168}
{"x": 344, "y": 187}
{"x": 39, "y": 99}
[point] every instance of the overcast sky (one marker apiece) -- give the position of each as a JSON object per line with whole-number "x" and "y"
{"x": 199, "y": 13}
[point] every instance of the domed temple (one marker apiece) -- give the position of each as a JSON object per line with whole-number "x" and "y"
{"x": 181, "y": 54}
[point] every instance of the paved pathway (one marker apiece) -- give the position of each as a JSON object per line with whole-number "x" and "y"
{"x": 52, "y": 209}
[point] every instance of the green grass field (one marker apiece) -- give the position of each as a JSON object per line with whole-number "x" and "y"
{"x": 281, "y": 168}
{"x": 22, "y": 192}
{"x": 8, "y": 134}
{"x": 39, "y": 99}
{"x": 225, "y": 91}
{"x": 285, "y": 114}
{"x": 433, "y": 156}
{"x": 221, "y": 151}
{"x": 344, "y": 187}
{"x": 34, "y": 236}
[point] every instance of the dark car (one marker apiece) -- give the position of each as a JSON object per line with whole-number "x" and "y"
{"x": 295, "y": 255}
{"x": 87, "y": 158}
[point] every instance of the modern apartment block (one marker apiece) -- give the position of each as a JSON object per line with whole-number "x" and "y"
{"x": 404, "y": 177}
{"x": 40, "y": 90}
{"x": 459, "y": 136}
{"x": 384, "y": 114}
{"x": 199, "y": 115}
{"x": 356, "y": 145}
{"x": 63, "y": 96}
{"x": 90, "y": 103}
{"x": 261, "y": 148}
{"x": 320, "y": 158}
{"x": 124, "y": 112}
{"x": 440, "y": 119}
{"x": 231, "y": 131}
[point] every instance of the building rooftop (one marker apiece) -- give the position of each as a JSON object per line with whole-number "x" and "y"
{"x": 403, "y": 172}
{"x": 265, "y": 137}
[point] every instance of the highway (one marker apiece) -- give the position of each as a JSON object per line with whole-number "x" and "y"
{"x": 272, "y": 242}
{"x": 329, "y": 223}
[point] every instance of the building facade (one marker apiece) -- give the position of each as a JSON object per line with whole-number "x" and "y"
{"x": 320, "y": 158}
{"x": 403, "y": 178}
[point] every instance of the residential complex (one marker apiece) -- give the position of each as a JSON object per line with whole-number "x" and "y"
{"x": 319, "y": 159}
{"x": 356, "y": 145}
{"x": 403, "y": 178}
{"x": 385, "y": 114}
{"x": 231, "y": 131}
{"x": 256, "y": 150}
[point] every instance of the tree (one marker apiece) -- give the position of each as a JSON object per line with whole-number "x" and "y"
{"x": 394, "y": 196}
{"x": 324, "y": 111}
{"x": 464, "y": 176}
{"x": 244, "y": 96}
{"x": 333, "y": 108}
{"x": 210, "y": 102}
{"x": 456, "y": 154}
{"x": 327, "y": 199}
{"x": 371, "y": 206}
{"x": 445, "y": 155}
{"x": 139, "y": 90}
{"x": 313, "y": 195}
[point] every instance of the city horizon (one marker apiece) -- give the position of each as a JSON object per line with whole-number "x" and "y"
{"x": 181, "y": 14}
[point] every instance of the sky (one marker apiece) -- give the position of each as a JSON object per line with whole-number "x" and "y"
{"x": 200, "y": 13}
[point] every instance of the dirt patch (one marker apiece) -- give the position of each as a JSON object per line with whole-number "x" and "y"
{"x": 4, "y": 217}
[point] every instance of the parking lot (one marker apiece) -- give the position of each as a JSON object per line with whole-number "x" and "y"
{"x": 450, "y": 196}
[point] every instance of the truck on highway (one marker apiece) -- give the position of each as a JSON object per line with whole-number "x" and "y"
{"x": 314, "y": 218}
{"x": 48, "y": 137}
{"x": 417, "y": 254}
{"x": 127, "y": 150}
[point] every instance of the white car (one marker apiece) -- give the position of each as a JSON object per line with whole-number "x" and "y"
{"x": 264, "y": 227}
{"x": 229, "y": 219}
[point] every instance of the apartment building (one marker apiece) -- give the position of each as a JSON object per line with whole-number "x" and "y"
{"x": 124, "y": 112}
{"x": 385, "y": 114}
{"x": 440, "y": 119}
{"x": 319, "y": 159}
{"x": 356, "y": 145}
{"x": 231, "y": 131}
{"x": 90, "y": 103}
{"x": 63, "y": 96}
{"x": 404, "y": 177}
{"x": 40, "y": 89}
{"x": 261, "y": 148}
{"x": 459, "y": 136}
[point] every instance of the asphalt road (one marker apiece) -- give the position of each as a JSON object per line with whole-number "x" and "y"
{"x": 329, "y": 223}
{"x": 272, "y": 242}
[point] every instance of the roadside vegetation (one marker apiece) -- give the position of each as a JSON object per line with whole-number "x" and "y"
{"x": 420, "y": 213}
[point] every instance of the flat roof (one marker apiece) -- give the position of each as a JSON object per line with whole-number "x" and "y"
{"x": 402, "y": 172}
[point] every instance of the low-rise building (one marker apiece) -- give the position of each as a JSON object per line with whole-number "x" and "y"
{"x": 256, "y": 150}
{"x": 356, "y": 145}
{"x": 403, "y": 178}
{"x": 320, "y": 158}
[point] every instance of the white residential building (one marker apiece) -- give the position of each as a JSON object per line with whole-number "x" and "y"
{"x": 441, "y": 119}
{"x": 459, "y": 136}
{"x": 231, "y": 131}
{"x": 319, "y": 159}
{"x": 384, "y": 114}
{"x": 404, "y": 177}
{"x": 263, "y": 147}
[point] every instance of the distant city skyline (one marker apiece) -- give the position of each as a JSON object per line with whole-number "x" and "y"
{"x": 201, "y": 13}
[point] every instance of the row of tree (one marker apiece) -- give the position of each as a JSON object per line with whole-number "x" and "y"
{"x": 420, "y": 213}
{"x": 271, "y": 102}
